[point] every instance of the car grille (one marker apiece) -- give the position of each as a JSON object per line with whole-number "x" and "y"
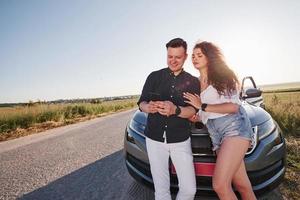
{"x": 203, "y": 181}
{"x": 201, "y": 143}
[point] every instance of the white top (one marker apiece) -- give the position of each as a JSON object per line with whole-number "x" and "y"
{"x": 211, "y": 96}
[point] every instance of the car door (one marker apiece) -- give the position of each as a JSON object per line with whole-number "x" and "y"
{"x": 250, "y": 92}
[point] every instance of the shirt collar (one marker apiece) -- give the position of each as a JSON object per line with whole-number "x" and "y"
{"x": 172, "y": 73}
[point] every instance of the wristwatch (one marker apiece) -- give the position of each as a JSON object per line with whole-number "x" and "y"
{"x": 203, "y": 106}
{"x": 177, "y": 111}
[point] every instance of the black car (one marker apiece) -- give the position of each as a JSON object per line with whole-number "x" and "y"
{"x": 265, "y": 162}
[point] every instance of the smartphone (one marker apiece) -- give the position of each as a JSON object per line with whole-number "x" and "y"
{"x": 155, "y": 96}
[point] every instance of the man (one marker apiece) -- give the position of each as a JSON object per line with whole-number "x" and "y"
{"x": 168, "y": 129}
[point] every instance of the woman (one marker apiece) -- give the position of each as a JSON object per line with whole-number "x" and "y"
{"x": 227, "y": 122}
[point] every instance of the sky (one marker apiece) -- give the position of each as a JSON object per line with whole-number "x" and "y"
{"x": 66, "y": 49}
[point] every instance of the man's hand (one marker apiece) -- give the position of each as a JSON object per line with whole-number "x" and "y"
{"x": 195, "y": 118}
{"x": 150, "y": 107}
{"x": 166, "y": 108}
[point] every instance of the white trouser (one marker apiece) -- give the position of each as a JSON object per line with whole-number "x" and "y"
{"x": 182, "y": 158}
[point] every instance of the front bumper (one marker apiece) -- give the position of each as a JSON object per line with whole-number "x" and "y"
{"x": 265, "y": 165}
{"x": 262, "y": 181}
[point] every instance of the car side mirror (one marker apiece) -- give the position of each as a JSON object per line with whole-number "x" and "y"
{"x": 252, "y": 92}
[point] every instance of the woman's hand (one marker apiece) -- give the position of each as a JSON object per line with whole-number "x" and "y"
{"x": 193, "y": 99}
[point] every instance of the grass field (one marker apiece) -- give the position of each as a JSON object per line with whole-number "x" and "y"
{"x": 280, "y": 87}
{"x": 285, "y": 109}
{"x": 18, "y": 121}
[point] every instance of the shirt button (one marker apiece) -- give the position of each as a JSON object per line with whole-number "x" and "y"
{"x": 171, "y": 96}
{"x": 166, "y": 126}
{"x": 173, "y": 86}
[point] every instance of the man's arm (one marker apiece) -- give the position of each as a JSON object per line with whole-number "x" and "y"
{"x": 144, "y": 99}
{"x": 186, "y": 112}
{"x": 167, "y": 108}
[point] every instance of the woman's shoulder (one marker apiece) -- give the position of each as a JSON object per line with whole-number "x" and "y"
{"x": 209, "y": 88}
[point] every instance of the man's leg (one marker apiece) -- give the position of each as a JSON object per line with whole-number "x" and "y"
{"x": 182, "y": 158}
{"x": 158, "y": 155}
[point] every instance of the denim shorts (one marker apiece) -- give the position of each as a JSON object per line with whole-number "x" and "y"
{"x": 237, "y": 124}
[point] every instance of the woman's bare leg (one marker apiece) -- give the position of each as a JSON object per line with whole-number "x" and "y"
{"x": 242, "y": 183}
{"x": 229, "y": 160}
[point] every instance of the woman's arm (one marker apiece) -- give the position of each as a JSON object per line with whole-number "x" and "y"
{"x": 195, "y": 100}
{"x": 222, "y": 108}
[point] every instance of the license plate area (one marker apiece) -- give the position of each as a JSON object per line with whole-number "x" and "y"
{"x": 201, "y": 169}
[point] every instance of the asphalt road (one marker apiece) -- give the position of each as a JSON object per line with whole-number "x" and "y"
{"x": 79, "y": 161}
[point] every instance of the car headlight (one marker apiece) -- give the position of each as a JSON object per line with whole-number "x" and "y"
{"x": 137, "y": 127}
{"x": 265, "y": 129}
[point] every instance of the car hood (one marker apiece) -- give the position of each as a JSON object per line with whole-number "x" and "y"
{"x": 256, "y": 114}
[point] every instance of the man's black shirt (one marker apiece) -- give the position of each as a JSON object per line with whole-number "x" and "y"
{"x": 170, "y": 88}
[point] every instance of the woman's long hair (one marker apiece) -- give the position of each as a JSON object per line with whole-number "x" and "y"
{"x": 219, "y": 74}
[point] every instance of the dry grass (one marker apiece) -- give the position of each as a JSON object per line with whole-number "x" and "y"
{"x": 24, "y": 120}
{"x": 291, "y": 185}
{"x": 285, "y": 109}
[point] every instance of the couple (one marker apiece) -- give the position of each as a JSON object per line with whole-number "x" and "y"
{"x": 213, "y": 99}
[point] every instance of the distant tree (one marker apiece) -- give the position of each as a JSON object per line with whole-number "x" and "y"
{"x": 30, "y": 103}
{"x": 95, "y": 101}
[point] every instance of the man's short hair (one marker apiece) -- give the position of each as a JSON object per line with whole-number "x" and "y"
{"x": 177, "y": 42}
